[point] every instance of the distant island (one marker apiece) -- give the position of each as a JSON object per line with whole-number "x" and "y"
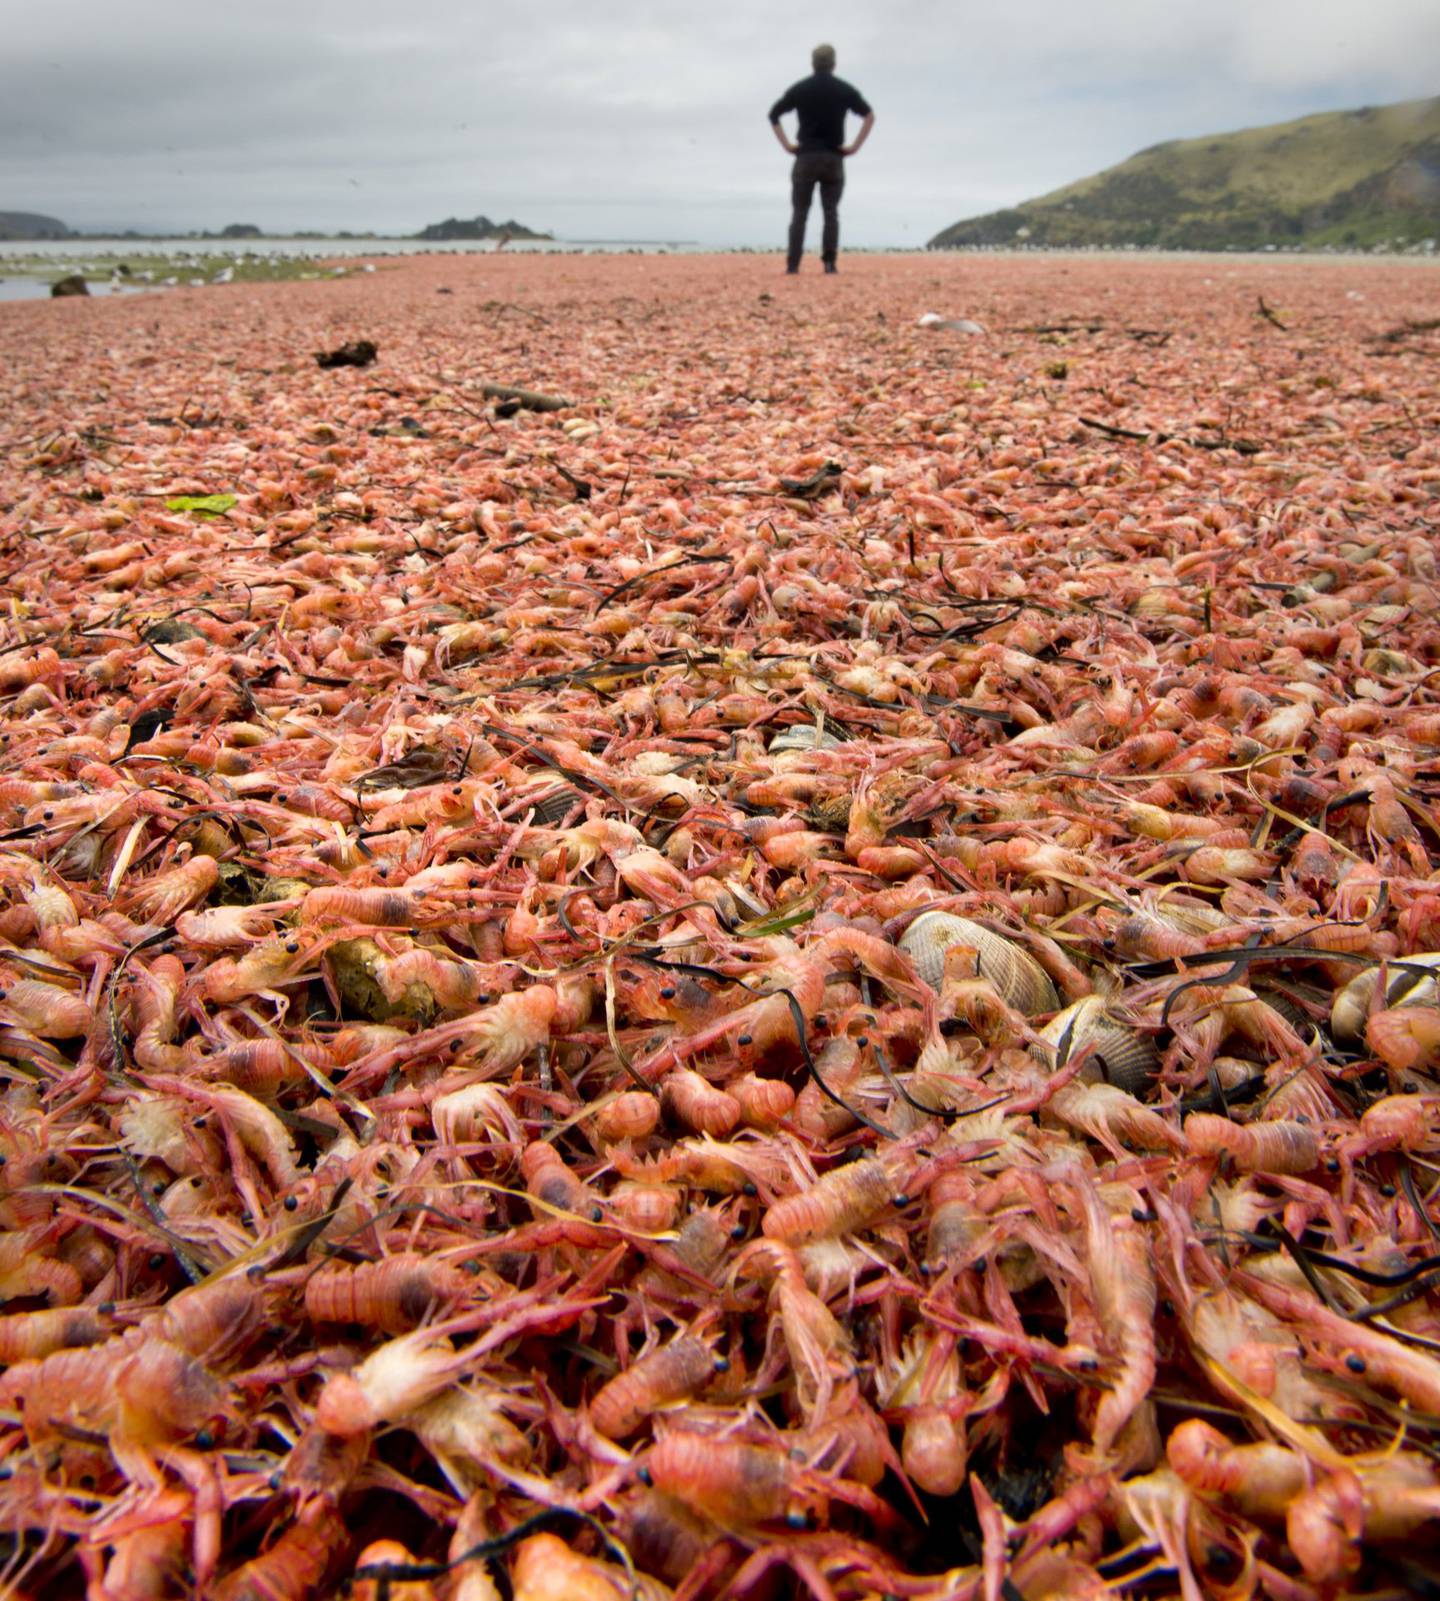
{"x": 1366, "y": 179}
{"x": 478, "y": 228}
{"x": 28, "y": 225}
{"x": 31, "y": 225}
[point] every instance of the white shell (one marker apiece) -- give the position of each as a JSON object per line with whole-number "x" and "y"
{"x": 1121, "y": 1056}
{"x": 803, "y": 736}
{"x": 1351, "y": 1005}
{"x": 1016, "y": 975}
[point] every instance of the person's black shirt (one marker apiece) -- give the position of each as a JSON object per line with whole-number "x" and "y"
{"x": 822, "y": 101}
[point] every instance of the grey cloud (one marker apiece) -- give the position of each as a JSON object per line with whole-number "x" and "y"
{"x": 631, "y": 119}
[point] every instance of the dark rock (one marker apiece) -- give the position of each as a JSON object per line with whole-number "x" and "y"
{"x": 73, "y": 285}
{"x": 358, "y": 353}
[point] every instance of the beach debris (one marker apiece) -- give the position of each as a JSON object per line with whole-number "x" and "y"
{"x": 357, "y": 353}
{"x": 513, "y": 399}
{"x": 825, "y": 478}
{"x": 203, "y": 505}
{"x": 959, "y": 325}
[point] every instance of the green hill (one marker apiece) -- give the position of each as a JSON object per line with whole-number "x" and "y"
{"x": 31, "y": 225}
{"x": 478, "y": 228}
{"x": 1343, "y": 178}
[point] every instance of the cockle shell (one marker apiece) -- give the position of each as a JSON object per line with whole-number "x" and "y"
{"x": 1403, "y": 987}
{"x": 803, "y": 736}
{"x": 1120, "y": 1056}
{"x": 1016, "y": 975}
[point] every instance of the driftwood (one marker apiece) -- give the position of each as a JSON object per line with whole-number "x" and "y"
{"x": 526, "y": 398}
{"x": 1408, "y": 330}
{"x": 1243, "y": 447}
{"x": 358, "y": 353}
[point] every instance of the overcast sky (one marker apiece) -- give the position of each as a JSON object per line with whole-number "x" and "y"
{"x": 640, "y": 118}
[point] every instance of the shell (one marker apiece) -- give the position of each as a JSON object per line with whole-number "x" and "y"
{"x": 803, "y": 736}
{"x": 1351, "y": 1005}
{"x": 1293, "y": 1013}
{"x": 830, "y": 813}
{"x": 1122, "y": 1056}
{"x": 1156, "y": 603}
{"x": 1017, "y": 976}
{"x": 1190, "y": 916}
{"x": 555, "y": 806}
{"x": 355, "y": 964}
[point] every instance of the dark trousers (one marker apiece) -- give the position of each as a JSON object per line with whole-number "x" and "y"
{"x": 827, "y": 168}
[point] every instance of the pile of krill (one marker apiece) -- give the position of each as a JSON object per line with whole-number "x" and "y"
{"x": 811, "y": 971}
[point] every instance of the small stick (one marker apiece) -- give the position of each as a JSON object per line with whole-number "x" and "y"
{"x": 528, "y": 398}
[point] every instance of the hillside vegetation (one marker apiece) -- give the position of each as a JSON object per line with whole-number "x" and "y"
{"x": 1351, "y": 179}
{"x": 31, "y": 225}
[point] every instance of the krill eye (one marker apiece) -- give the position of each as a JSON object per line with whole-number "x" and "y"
{"x": 1220, "y": 1559}
{"x": 156, "y": 1262}
{"x": 290, "y": 1203}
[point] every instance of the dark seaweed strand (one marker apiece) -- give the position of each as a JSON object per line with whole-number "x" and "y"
{"x": 311, "y": 1232}
{"x": 1235, "y": 970}
{"x": 944, "y": 1113}
{"x": 1407, "y": 1183}
{"x": 1245, "y": 955}
{"x": 387, "y": 1573}
{"x": 659, "y": 572}
{"x": 554, "y": 766}
{"x": 798, "y": 1017}
{"x": 191, "y": 1269}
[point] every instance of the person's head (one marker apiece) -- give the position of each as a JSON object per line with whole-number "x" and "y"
{"x": 822, "y": 58}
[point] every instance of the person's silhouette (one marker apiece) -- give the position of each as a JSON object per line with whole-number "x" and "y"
{"x": 821, "y": 102}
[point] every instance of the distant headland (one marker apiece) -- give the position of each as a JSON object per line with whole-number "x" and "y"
{"x": 478, "y": 228}
{"x": 33, "y": 225}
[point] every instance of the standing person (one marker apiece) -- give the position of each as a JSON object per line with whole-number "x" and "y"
{"x": 820, "y": 150}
